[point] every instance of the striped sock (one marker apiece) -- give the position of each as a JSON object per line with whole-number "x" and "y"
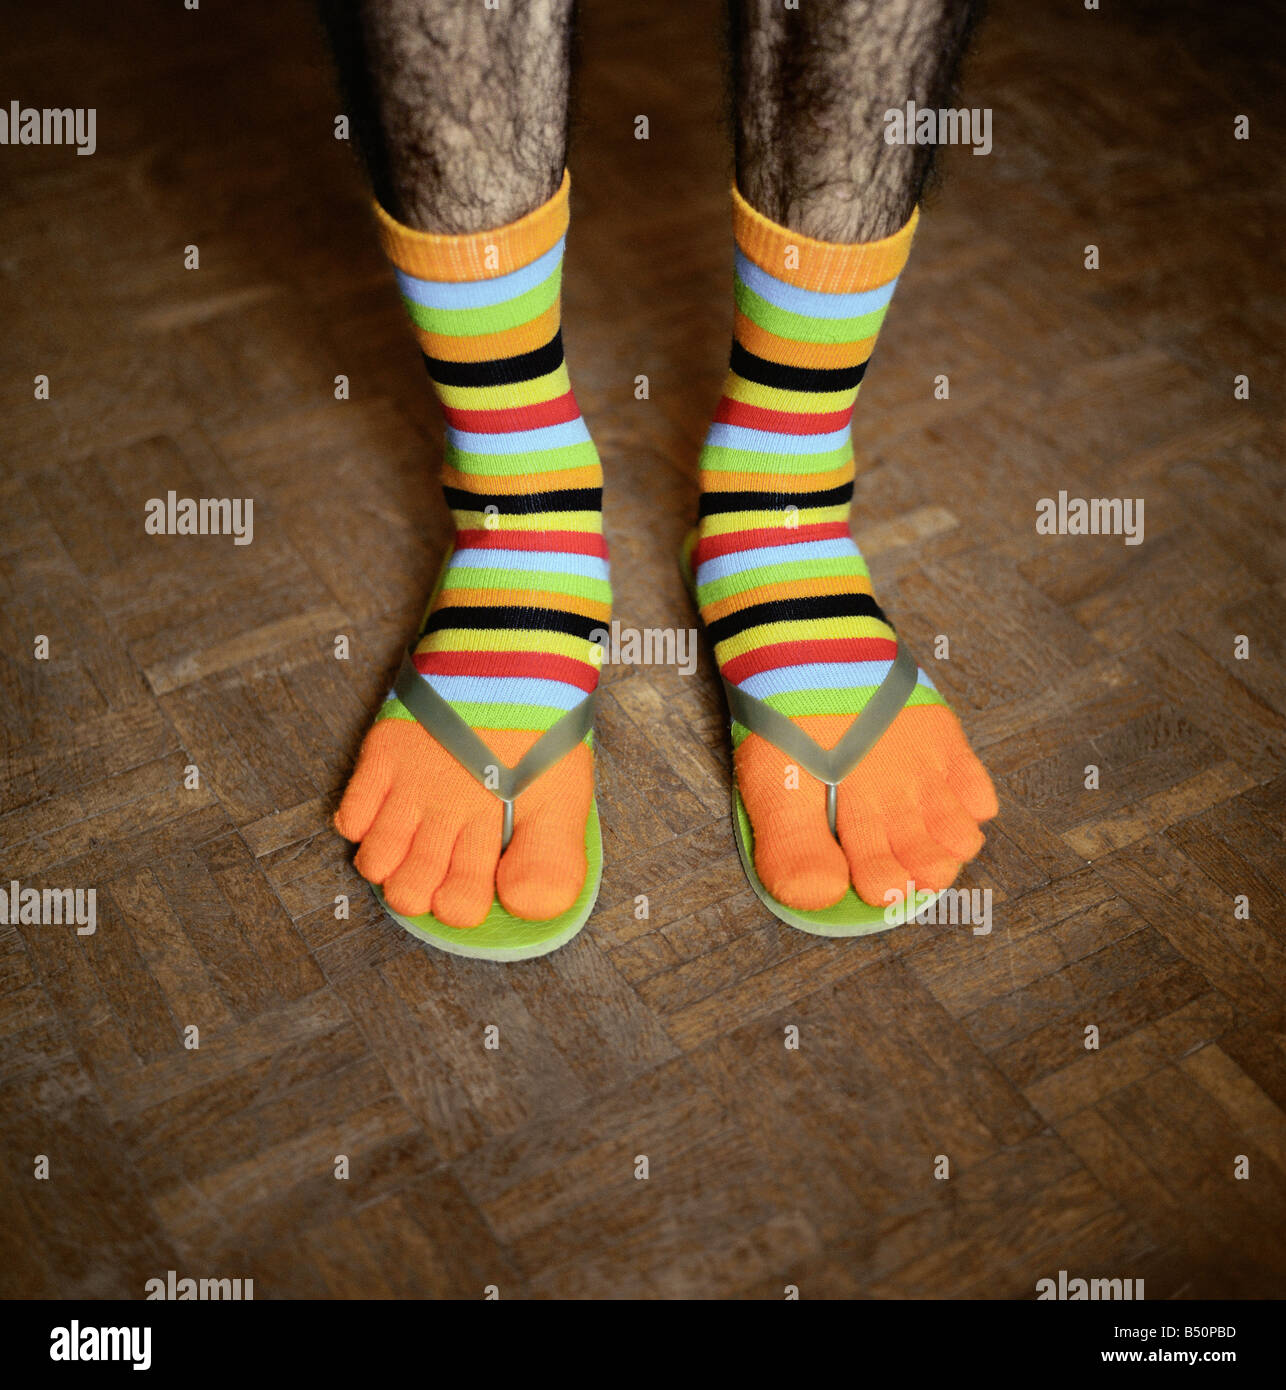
{"x": 783, "y": 589}
{"x": 506, "y": 640}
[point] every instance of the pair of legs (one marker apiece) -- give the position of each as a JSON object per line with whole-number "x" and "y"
{"x": 460, "y": 113}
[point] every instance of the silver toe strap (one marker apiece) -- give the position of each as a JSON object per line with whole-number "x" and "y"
{"x": 448, "y": 729}
{"x": 830, "y": 765}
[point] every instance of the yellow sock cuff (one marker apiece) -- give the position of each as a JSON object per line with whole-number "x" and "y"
{"x": 476, "y": 255}
{"x": 831, "y": 266}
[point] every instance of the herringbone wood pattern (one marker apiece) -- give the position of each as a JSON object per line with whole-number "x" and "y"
{"x": 662, "y": 1036}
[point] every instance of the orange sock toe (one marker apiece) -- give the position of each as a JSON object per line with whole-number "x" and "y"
{"x": 969, "y": 783}
{"x": 467, "y": 892}
{"x": 372, "y": 777}
{"x": 799, "y": 866}
{"x": 543, "y": 868}
{"x": 411, "y": 886}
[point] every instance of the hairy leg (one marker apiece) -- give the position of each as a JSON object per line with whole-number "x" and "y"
{"x": 823, "y": 220}
{"x": 811, "y": 87}
{"x": 459, "y": 111}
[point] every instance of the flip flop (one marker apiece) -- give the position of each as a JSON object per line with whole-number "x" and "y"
{"x": 851, "y": 916}
{"x": 500, "y": 936}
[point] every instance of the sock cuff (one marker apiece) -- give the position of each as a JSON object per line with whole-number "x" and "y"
{"x": 829, "y": 266}
{"x": 476, "y": 255}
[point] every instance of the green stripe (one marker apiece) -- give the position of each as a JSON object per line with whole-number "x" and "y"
{"x": 839, "y": 568}
{"x": 523, "y": 465}
{"x": 525, "y": 717}
{"x": 851, "y": 701}
{"x": 921, "y": 695}
{"x": 506, "y": 716}
{"x": 496, "y": 318}
{"x": 800, "y": 328}
{"x": 719, "y": 458}
{"x": 550, "y": 581}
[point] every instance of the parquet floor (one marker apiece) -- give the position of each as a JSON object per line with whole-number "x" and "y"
{"x": 1113, "y": 908}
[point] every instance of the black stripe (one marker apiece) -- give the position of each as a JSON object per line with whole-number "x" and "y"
{"x": 752, "y": 368}
{"x": 567, "y": 499}
{"x": 795, "y": 610}
{"x": 715, "y": 502}
{"x": 499, "y": 371}
{"x": 509, "y": 616}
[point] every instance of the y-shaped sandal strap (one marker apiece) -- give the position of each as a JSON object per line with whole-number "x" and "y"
{"x": 830, "y": 765}
{"x": 447, "y": 728}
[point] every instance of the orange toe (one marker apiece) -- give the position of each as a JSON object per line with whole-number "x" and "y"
{"x": 411, "y": 886}
{"x": 799, "y": 862}
{"x": 387, "y": 843}
{"x": 949, "y": 823}
{"x": 543, "y": 869}
{"x": 969, "y": 782}
{"x": 878, "y": 878}
{"x": 469, "y": 888}
{"x": 369, "y": 785}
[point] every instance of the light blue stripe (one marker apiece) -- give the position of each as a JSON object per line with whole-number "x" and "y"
{"x": 723, "y": 436}
{"x": 550, "y": 561}
{"x": 507, "y": 690}
{"x": 814, "y": 304}
{"x": 724, "y": 565}
{"x": 521, "y": 441}
{"x": 480, "y": 294}
{"x": 822, "y": 675}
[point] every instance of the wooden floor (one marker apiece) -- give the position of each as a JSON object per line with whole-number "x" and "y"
{"x": 664, "y": 1037}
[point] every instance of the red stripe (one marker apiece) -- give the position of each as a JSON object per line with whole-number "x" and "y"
{"x": 519, "y": 417}
{"x": 711, "y": 547}
{"x": 759, "y": 417}
{"x": 573, "y": 542}
{"x": 540, "y": 665}
{"x": 779, "y": 654}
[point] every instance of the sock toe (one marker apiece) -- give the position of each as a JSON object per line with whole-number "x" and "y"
{"x": 543, "y": 870}
{"x": 800, "y": 864}
{"x": 969, "y": 782}
{"x": 536, "y": 884}
{"x": 927, "y": 864}
{"x": 411, "y": 886}
{"x": 949, "y": 824}
{"x": 469, "y": 888}
{"x": 388, "y": 841}
{"x": 871, "y": 865}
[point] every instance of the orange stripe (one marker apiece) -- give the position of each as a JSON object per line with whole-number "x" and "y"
{"x": 482, "y": 347}
{"x": 835, "y": 267}
{"x": 796, "y": 588}
{"x": 589, "y": 476}
{"x": 769, "y": 482}
{"x": 522, "y": 598}
{"x": 478, "y": 255}
{"x": 792, "y": 354}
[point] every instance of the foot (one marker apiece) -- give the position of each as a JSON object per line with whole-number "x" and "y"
{"x": 908, "y": 813}
{"x": 509, "y": 640}
{"x": 430, "y": 832}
